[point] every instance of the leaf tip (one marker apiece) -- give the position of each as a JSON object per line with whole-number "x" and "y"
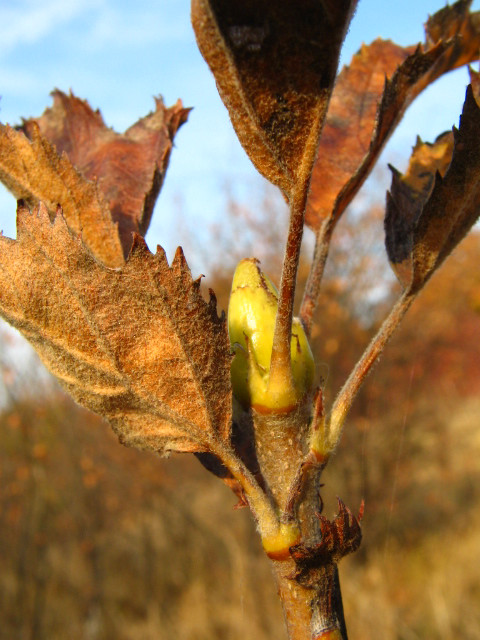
{"x": 138, "y": 248}
{"x": 196, "y": 283}
{"x": 22, "y": 212}
{"x": 179, "y": 261}
{"x": 212, "y": 302}
{"x": 418, "y": 143}
{"x": 470, "y": 99}
{"x": 160, "y": 254}
{"x": 396, "y": 175}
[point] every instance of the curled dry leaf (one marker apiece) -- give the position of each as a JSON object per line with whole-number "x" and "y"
{"x": 408, "y": 194}
{"x": 274, "y": 64}
{"x": 451, "y": 21}
{"x": 33, "y": 171}
{"x": 427, "y": 214}
{"x": 370, "y": 98}
{"x": 137, "y": 344}
{"x": 426, "y": 160}
{"x": 129, "y": 168}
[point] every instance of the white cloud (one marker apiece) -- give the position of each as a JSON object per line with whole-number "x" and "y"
{"x": 30, "y": 21}
{"x": 139, "y": 25}
{"x": 120, "y": 23}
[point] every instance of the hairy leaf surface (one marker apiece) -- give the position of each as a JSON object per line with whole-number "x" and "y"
{"x": 136, "y": 344}
{"x": 33, "y": 171}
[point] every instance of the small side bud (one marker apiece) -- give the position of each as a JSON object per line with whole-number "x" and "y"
{"x": 251, "y": 323}
{"x": 277, "y": 546}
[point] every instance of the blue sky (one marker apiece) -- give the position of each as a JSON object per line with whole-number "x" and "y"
{"x": 118, "y": 54}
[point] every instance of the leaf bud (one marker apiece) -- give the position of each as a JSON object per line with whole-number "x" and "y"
{"x": 252, "y": 313}
{"x": 277, "y": 545}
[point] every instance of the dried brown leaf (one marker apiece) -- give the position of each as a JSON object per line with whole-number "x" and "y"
{"x": 350, "y": 122}
{"x": 426, "y": 160}
{"x": 33, "y": 171}
{"x": 365, "y": 108}
{"x": 475, "y": 82}
{"x": 451, "y": 21}
{"x": 408, "y": 193}
{"x": 427, "y": 214}
{"x": 274, "y": 64}
{"x": 129, "y": 168}
{"x": 137, "y": 344}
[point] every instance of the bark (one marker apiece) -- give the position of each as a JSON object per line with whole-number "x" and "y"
{"x": 311, "y": 612}
{"x": 305, "y": 570}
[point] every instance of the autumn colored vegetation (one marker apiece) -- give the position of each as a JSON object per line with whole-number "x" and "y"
{"x": 99, "y": 541}
{"x": 92, "y": 533}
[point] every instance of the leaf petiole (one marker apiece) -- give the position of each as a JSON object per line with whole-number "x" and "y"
{"x": 348, "y": 392}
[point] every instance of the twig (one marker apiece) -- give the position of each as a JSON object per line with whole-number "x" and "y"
{"x": 313, "y": 459}
{"x": 351, "y": 387}
{"x": 258, "y": 501}
{"x": 280, "y": 360}
{"x": 314, "y": 280}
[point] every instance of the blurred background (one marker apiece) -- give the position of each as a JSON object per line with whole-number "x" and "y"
{"x": 98, "y": 541}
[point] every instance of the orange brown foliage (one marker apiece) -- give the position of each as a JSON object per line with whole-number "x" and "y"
{"x": 370, "y": 98}
{"x": 128, "y": 168}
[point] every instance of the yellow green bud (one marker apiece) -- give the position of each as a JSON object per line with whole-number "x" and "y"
{"x": 277, "y": 546}
{"x": 252, "y": 312}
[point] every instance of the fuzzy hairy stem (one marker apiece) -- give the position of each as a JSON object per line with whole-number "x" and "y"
{"x": 371, "y": 354}
{"x": 314, "y": 280}
{"x": 280, "y": 447}
{"x": 305, "y": 569}
{"x": 259, "y": 503}
{"x": 280, "y": 360}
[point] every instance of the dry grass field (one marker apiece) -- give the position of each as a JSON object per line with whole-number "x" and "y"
{"x": 100, "y": 542}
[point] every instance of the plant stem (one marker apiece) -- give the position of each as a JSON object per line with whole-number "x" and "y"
{"x": 260, "y": 504}
{"x": 311, "y": 613}
{"x": 280, "y": 360}
{"x": 314, "y": 280}
{"x": 280, "y": 444}
{"x": 351, "y": 387}
{"x": 296, "y": 602}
